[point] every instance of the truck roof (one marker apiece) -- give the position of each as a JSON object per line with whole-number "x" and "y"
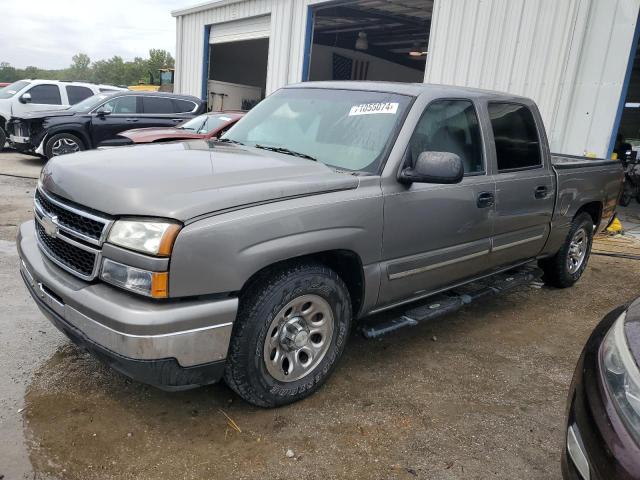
{"x": 413, "y": 89}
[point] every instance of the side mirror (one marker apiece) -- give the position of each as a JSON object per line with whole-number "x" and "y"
{"x": 25, "y": 98}
{"x": 434, "y": 167}
{"x": 101, "y": 113}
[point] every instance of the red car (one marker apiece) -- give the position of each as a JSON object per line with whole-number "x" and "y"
{"x": 208, "y": 125}
{"x": 4, "y": 84}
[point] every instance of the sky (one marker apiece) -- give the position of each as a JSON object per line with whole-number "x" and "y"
{"x": 47, "y": 33}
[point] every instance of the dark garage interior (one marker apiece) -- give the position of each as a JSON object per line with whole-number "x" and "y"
{"x": 371, "y": 40}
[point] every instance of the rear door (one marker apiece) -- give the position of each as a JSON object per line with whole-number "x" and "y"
{"x": 437, "y": 235}
{"x": 160, "y": 111}
{"x": 123, "y": 113}
{"x": 77, "y": 93}
{"x": 524, "y": 183}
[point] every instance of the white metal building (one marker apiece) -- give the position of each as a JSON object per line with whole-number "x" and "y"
{"x": 575, "y": 58}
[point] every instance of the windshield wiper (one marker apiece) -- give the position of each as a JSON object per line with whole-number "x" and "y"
{"x": 286, "y": 151}
{"x": 228, "y": 140}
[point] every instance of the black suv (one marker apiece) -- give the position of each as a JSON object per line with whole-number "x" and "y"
{"x": 97, "y": 120}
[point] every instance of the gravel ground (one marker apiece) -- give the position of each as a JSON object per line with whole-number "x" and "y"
{"x": 475, "y": 395}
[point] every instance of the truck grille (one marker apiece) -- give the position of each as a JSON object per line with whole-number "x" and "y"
{"x": 69, "y": 236}
{"x": 74, "y": 221}
{"x": 75, "y": 258}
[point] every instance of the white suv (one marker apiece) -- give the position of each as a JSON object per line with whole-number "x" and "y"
{"x": 26, "y": 96}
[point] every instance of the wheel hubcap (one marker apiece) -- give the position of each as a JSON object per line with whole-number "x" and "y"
{"x": 62, "y": 146}
{"x": 298, "y": 338}
{"x": 577, "y": 250}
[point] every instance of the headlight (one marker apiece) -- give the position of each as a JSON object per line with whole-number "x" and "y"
{"x": 622, "y": 376}
{"x": 153, "y": 238}
{"x": 151, "y": 284}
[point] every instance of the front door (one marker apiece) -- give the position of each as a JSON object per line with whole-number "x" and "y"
{"x": 438, "y": 235}
{"x": 44, "y": 96}
{"x": 121, "y": 113}
{"x": 524, "y": 185}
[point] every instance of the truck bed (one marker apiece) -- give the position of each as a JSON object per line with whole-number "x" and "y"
{"x": 561, "y": 161}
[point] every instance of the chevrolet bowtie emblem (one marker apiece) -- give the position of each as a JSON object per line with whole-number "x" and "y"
{"x": 50, "y": 225}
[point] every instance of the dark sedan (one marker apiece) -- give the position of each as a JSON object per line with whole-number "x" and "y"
{"x": 98, "y": 120}
{"x": 603, "y": 424}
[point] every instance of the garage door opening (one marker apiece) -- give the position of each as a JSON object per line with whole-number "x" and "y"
{"x": 370, "y": 40}
{"x": 627, "y": 139}
{"x": 238, "y": 57}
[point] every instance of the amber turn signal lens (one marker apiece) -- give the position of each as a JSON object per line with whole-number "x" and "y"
{"x": 160, "y": 284}
{"x": 166, "y": 244}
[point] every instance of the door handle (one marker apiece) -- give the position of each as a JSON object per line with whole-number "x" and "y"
{"x": 541, "y": 192}
{"x": 485, "y": 199}
{"x": 131, "y": 120}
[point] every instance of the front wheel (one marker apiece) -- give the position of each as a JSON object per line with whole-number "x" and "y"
{"x": 62, "y": 144}
{"x": 291, "y": 329}
{"x": 3, "y": 139}
{"x": 567, "y": 266}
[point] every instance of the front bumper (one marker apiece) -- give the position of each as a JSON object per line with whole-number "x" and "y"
{"x": 169, "y": 344}
{"x": 610, "y": 451}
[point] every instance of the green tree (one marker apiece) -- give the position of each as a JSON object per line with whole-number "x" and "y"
{"x": 79, "y": 69}
{"x": 159, "y": 59}
{"x": 7, "y": 72}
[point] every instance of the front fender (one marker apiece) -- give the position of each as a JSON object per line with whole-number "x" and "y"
{"x": 73, "y": 128}
{"x": 219, "y": 254}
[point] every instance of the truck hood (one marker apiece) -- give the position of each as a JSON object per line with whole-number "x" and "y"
{"x": 186, "y": 179}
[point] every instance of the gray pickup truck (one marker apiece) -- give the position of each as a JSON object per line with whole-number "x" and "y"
{"x": 251, "y": 257}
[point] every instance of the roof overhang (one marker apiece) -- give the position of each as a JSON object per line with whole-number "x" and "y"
{"x": 199, "y": 7}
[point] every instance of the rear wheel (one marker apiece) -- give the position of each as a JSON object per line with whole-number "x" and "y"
{"x": 62, "y": 144}
{"x": 291, "y": 329}
{"x": 567, "y": 266}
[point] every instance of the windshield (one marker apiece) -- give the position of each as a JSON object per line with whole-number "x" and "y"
{"x": 10, "y": 90}
{"x": 206, "y": 123}
{"x": 347, "y": 129}
{"x": 88, "y": 104}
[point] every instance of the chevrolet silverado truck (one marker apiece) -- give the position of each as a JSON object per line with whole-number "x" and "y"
{"x": 249, "y": 258}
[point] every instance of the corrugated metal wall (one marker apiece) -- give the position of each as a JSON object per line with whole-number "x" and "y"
{"x": 570, "y": 56}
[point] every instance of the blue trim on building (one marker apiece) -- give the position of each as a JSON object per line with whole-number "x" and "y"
{"x": 625, "y": 87}
{"x": 205, "y": 62}
{"x": 308, "y": 41}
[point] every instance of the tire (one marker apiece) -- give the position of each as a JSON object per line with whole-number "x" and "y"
{"x": 266, "y": 334}
{"x": 3, "y": 139}
{"x": 567, "y": 266}
{"x": 62, "y": 144}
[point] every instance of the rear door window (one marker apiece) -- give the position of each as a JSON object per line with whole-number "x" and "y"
{"x": 45, "y": 94}
{"x": 157, "y": 105}
{"x": 516, "y": 136}
{"x": 77, "y": 94}
{"x": 183, "y": 106}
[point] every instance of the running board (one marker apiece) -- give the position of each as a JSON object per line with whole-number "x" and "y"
{"x": 451, "y": 301}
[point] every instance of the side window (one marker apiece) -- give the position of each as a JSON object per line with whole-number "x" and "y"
{"x": 46, "y": 94}
{"x": 450, "y": 126}
{"x": 516, "y": 136}
{"x": 77, "y": 94}
{"x": 157, "y": 105}
{"x": 183, "y": 106}
{"x": 124, "y": 105}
